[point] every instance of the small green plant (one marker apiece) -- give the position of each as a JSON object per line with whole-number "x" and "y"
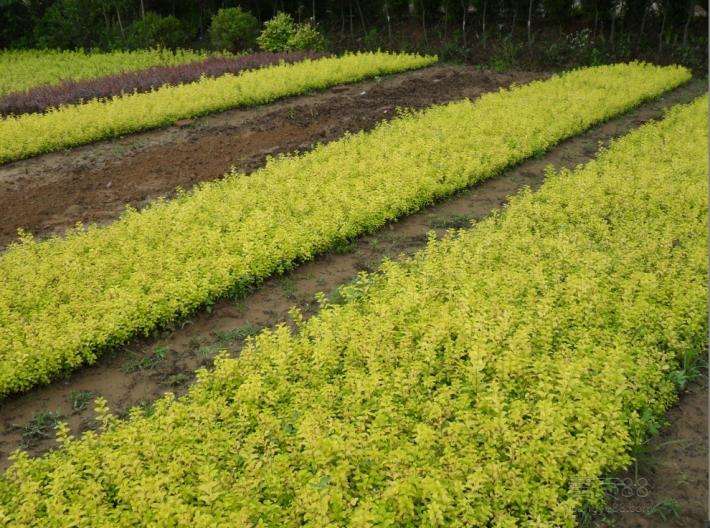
{"x": 276, "y": 33}
{"x": 242, "y": 332}
{"x": 344, "y": 246}
{"x": 666, "y": 509}
{"x": 372, "y": 40}
{"x": 455, "y": 221}
{"x": 40, "y": 427}
{"x": 233, "y": 29}
{"x": 288, "y": 287}
{"x": 306, "y": 37}
{"x": 80, "y": 400}
{"x": 505, "y": 56}
{"x": 207, "y": 352}
{"x": 160, "y": 352}
{"x": 281, "y": 33}
{"x": 138, "y": 362}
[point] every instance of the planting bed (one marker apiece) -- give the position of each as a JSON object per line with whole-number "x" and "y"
{"x": 93, "y": 184}
{"x": 334, "y": 423}
{"x": 25, "y": 69}
{"x": 68, "y": 300}
{"x": 133, "y": 376}
{"x": 43, "y": 98}
{"x": 146, "y": 368}
{"x": 28, "y": 135}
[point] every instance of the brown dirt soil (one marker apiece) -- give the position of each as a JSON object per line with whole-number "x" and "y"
{"x": 142, "y": 371}
{"x": 669, "y": 482}
{"x": 93, "y": 184}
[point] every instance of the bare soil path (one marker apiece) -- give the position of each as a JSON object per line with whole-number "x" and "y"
{"x": 142, "y": 371}
{"x": 668, "y": 485}
{"x": 47, "y": 194}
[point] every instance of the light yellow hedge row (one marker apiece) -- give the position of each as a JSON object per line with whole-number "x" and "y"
{"x": 31, "y": 134}
{"x": 24, "y": 69}
{"x": 488, "y": 382}
{"x": 65, "y": 300}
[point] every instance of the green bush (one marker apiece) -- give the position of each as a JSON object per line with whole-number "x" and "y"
{"x": 233, "y": 29}
{"x": 306, "y": 37}
{"x": 277, "y": 32}
{"x": 156, "y": 31}
{"x": 281, "y": 33}
{"x": 70, "y": 24}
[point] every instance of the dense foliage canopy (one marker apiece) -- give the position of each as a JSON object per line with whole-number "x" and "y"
{"x": 107, "y": 23}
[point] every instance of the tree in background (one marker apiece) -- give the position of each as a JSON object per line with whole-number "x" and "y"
{"x": 233, "y": 29}
{"x": 464, "y": 28}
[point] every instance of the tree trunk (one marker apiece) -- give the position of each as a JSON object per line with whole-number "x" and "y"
{"x": 362, "y": 17}
{"x": 352, "y": 29}
{"x": 120, "y": 24}
{"x": 108, "y": 23}
{"x": 642, "y": 29}
{"x": 483, "y": 26}
{"x": 426, "y": 39}
{"x": 663, "y": 29}
{"x": 530, "y": 11}
{"x": 691, "y": 6}
{"x": 142, "y": 10}
{"x": 389, "y": 23}
{"x": 446, "y": 23}
{"x": 463, "y": 22}
{"x": 342, "y": 19}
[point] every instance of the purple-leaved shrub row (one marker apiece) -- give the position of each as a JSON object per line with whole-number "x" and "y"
{"x": 42, "y": 98}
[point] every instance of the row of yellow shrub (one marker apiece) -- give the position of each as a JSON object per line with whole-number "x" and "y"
{"x": 492, "y": 380}
{"x": 31, "y": 134}
{"x": 24, "y": 69}
{"x": 65, "y": 300}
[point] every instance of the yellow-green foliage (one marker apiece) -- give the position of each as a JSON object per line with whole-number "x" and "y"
{"x": 30, "y": 134}
{"x": 23, "y": 69}
{"x": 65, "y": 300}
{"x": 489, "y": 381}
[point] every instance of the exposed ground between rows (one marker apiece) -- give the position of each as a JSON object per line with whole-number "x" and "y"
{"x": 145, "y": 369}
{"x": 93, "y": 184}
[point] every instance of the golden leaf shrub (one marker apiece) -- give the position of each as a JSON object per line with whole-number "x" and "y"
{"x": 30, "y": 134}
{"x": 24, "y": 69}
{"x": 64, "y": 301}
{"x": 491, "y": 380}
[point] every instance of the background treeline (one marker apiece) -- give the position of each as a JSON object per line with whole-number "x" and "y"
{"x": 501, "y": 33}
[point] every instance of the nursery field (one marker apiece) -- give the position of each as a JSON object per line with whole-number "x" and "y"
{"x": 426, "y": 295}
{"x": 25, "y": 69}
{"x": 67, "y": 299}
{"x": 475, "y": 384}
{"x": 70, "y": 125}
{"x": 47, "y": 96}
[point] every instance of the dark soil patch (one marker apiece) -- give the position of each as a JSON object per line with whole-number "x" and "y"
{"x": 93, "y": 184}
